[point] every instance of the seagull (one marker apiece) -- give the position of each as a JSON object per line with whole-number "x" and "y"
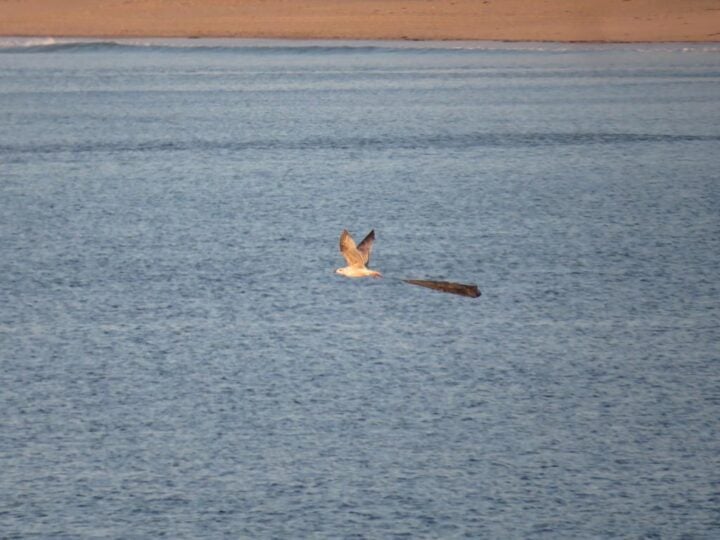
{"x": 357, "y": 257}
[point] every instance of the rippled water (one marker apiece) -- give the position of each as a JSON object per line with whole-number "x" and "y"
{"x": 178, "y": 358}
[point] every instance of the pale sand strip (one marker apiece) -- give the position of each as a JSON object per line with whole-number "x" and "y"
{"x": 517, "y": 20}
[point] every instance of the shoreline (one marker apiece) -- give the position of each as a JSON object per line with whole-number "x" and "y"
{"x": 511, "y": 21}
{"x": 113, "y": 37}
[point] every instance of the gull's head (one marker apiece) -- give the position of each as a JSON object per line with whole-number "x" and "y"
{"x": 341, "y": 271}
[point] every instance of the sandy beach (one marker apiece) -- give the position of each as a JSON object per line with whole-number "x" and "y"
{"x": 513, "y": 20}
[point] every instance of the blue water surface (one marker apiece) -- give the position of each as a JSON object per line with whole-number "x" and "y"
{"x": 178, "y": 358}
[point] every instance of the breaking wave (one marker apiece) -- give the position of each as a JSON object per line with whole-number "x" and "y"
{"x": 263, "y": 46}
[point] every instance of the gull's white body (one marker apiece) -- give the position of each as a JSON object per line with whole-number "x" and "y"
{"x": 357, "y": 257}
{"x": 349, "y": 271}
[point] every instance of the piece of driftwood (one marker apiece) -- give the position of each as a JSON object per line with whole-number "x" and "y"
{"x": 447, "y": 286}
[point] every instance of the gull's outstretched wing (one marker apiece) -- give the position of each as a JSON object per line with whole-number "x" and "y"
{"x": 350, "y": 251}
{"x": 365, "y": 247}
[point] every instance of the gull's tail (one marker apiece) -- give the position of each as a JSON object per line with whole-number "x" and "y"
{"x": 447, "y": 286}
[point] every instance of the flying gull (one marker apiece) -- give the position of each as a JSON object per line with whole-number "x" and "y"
{"x": 357, "y": 257}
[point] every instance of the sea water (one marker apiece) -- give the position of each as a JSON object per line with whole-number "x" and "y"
{"x": 178, "y": 358}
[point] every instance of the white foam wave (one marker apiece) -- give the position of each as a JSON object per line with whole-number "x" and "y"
{"x": 52, "y": 43}
{"x": 19, "y": 42}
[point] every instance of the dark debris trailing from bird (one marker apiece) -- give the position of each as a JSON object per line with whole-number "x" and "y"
{"x": 462, "y": 289}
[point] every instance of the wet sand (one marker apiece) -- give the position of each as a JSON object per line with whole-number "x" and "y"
{"x": 515, "y": 20}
